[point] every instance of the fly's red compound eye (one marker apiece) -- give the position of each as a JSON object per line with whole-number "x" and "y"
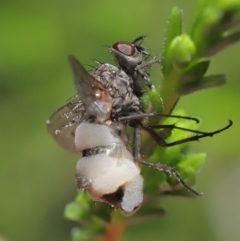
{"x": 124, "y": 48}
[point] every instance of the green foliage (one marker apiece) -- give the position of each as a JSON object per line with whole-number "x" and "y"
{"x": 215, "y": 25}
{"x": 173, "y": 30}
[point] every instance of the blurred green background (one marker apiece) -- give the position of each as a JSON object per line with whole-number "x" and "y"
{"x": 37, "y": 176}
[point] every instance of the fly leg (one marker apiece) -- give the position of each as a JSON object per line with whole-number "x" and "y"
{"x": 138, "y": 39}
{"x": 147, "y": 63}
{"x": 140, "y": 69}
{"x": 200, "y": 134}
{"x": 158, "y": 166}
{"x": 136, "y": 116}
{"x": 82, "y": 181}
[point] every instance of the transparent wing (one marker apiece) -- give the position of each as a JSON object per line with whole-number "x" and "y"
{"x": 85, "y": 84}
{"x": 63, "y": 123}
{"x": 95, "y": 102}
{"x": 94, "y": 95}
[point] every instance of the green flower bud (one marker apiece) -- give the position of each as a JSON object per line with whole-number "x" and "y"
{"x": 182, "y": 51}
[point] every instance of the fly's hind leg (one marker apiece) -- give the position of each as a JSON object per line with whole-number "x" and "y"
{"x": 158, "y": 166}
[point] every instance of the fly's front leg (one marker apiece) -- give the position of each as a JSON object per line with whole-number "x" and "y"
{"x": 140, "y": 69}
{"x": 136, "y": 116}
{"x": 82, "y": 181}
{"x": 140, "y": 38}
{"x": 147, "y": 63}
{"x": 138, "y": 89}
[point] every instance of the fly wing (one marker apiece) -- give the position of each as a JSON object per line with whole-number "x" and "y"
{"x": 84, "y": 82}
{"x": 94, "y": 95}
{"x": 95, "y": 102}
{"x": 63, "y": 123}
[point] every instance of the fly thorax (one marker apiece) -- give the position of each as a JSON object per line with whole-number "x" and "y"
{"x": 119, "y": 86}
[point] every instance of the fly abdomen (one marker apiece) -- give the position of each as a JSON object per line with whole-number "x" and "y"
{"x": 110, "y": 150}
{"x": 107, "y": 170}
{"x": 91, "y": 135}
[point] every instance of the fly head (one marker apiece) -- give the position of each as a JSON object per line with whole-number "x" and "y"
{"x": 132, "y": 58}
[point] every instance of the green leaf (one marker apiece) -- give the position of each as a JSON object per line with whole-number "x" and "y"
{"x": 216, "y": 26}
{"x": 74, "y": 211}
{"x": 79, "y": 234}
{"x": 151, "y": 211}
{"x": 221, "y": 43}
{"x": 205, "y": 83}
{"x": 201, "y": 5}
{"x": 174, "y": 29}
{"x": 228, "y": 5}
{"x": 191, "y": 164}
{"x": 151, "y": 101}
{"x": 194, "y": 73}
{"x": 202, "y": 33}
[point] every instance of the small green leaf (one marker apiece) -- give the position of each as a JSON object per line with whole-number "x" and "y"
{"x": 174, "y": 29}
{"x": 74, "y": 211}
{"x": 214, "y": 28}
{"x": 79, "y": 234}
{"x": 151, "y": 211}
{"x": 202, "y": 33}
{"x": 225, "y": 41}
{"x": 205, "y": 83}
{"x": 191, "y": 164}
{"x": 151, "y": 101}
{"x": 196, "y": 18}
{"x": 172, "y": 156}
{"x": 228, "y": 5}
{"x": 194, "y": 73}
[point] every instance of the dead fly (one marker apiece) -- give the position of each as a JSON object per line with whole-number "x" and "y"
{"x": 132, "y": 58}
{"x": 95, "y": 125}
{"x": 107, "y": 170}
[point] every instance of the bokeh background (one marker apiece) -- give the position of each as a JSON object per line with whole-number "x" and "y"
{"x": 37, "y": 176}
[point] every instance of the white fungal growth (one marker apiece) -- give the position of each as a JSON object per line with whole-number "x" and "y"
{"x": 110, "y": 172}
{"x": 90, "y": 135}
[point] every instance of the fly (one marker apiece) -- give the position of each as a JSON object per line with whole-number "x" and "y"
{"x": 107, "y": 170}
